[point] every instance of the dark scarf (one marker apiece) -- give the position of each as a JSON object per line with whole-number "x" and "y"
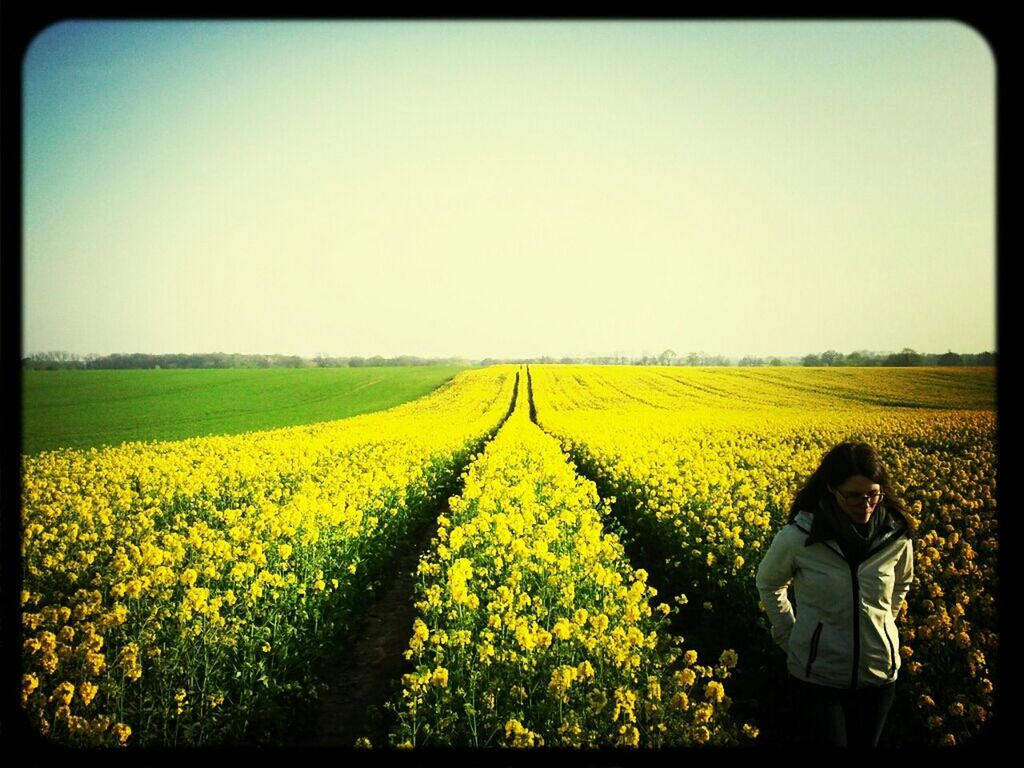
{"x": 829, "y": 521}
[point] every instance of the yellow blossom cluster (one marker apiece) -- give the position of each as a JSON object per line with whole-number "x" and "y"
{"x": 545, "y": 633}
{"x": 212, "y": 567}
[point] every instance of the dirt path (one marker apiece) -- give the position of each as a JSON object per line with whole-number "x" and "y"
{"x": 364, "y": 679}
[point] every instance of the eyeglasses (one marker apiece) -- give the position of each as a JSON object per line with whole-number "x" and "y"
{"x": 856, "y": 498}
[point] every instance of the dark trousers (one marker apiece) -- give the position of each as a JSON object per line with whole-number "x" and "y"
{"x": 841, "y": 717}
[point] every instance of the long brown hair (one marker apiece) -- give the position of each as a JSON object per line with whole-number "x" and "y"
{"x": 837, "y": 466}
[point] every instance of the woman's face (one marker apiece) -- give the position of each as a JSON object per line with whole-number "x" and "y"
{"x": 858, "y": 497}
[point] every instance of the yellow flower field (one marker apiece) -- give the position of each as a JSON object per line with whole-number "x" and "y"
{"x": 182, "y": 592}
{"x": 533, "y": 629}
{"x": 173, "y": 591}
{"x": 707, "y": 462}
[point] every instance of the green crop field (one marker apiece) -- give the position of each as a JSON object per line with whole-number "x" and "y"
{"x": 84, "y": 409}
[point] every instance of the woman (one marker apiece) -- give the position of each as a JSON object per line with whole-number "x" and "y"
{"x": 848, "y": 554}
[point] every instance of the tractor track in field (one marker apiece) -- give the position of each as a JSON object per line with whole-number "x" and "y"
{"x": 367, "y": 675}
{"x": 759, "y": 688}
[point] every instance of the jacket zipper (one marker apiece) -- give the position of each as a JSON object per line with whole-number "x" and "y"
{"x": 813, "y": 653}
{"x": 855, "y": 582}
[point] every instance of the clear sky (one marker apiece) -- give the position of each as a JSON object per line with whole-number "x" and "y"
{"x": 506, "y": 189}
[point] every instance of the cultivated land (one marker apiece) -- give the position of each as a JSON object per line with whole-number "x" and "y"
{"x": 257, "y": 588}
{"x": 86, "y": 409}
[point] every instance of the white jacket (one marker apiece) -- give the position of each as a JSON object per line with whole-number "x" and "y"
{"x": 842, "y": 630}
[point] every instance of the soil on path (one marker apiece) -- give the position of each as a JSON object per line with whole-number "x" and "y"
{"x": 365, "y": 677}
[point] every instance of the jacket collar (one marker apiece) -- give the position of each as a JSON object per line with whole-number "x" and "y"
{"x": 893, "y": 528}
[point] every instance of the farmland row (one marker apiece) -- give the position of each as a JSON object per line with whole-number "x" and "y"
{"x": 176, "y": 592}
{"x": 533, "y": 629}
{"x": 95, "y": 408}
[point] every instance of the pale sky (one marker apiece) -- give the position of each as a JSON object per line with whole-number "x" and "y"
{"x": 509, "y": 189}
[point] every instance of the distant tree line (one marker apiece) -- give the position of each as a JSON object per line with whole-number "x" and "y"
{"x": 322, "y": 361}
{"x": 668, "y": 357}
{"x": 904, "y": 358}
{"x": 830, "y": 358}
{"x": 68, "y": 360}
